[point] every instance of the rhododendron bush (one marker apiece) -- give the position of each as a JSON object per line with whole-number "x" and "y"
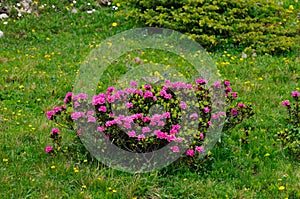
{"x": 145, "y": 118}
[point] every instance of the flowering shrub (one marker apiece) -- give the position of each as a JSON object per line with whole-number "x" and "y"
{"x": 145, "y": 129}
{"x": 290, "y": 136}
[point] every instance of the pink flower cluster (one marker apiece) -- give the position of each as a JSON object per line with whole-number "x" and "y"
{"x": 286, "y": 103}
{"x": 55, "y": 131}
{"x": 56, "y": 110}
{"x": 103, "y": 102}
{"x": 191, "y": 152}
{"x": 49, "y": 149}
{"x": 295, "y": 94}
{"x": 228, "y": 90}
{"x": 216, "y": 116}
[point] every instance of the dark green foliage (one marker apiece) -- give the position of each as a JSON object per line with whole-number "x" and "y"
{"x": 263, "y": 27}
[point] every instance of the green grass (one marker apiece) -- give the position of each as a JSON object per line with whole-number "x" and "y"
{"x": 36, "y": 72}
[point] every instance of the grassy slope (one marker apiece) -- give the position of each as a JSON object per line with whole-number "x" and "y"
{"x": 46, "y": 67}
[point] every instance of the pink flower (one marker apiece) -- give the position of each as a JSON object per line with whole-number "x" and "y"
{"x": 127, "y": 125}
{"x": 79, "y": 132}
{"x": 146, "y": 119}
{"x": 199, "y": 149}
{"x": 194, "y": 116}
{"x": 55, "y": 131}
{"x": 131, "y": 134}
{"x": 89, "y": 112}
{"x": 111, "y": 115}
{"x": 206, "y": 110}
{"x": 241, "y": 105}
{"x": 155, "y": 98}
{"x": 129, "y": 105}
{"x": 162, "y": 93}
{"x": 77, "y": 115}
{"x": 228, "y": 89}
{"x": 286, "y": 103}
{"x": 201, "y": 136}
{"x": 147, "y": 86}
{"x": 102, "y": 109}
{"x": 156, "y": 118}
{"x": 142, "y": 136}
{"x": 50, "y": 114}
{"x": 160, "y": 123}
{"x": 110, "y": 123}
{"x": 168, "y": 96}
{"x": 56, "y": 109}
{"x": 110, "y": 89}
{"x": 226, "y": 83}
{"x": 234, "y": 95}
{"x": 111, "y": 98}
{"x": 98, "y": 99}
{"x": 133, "y": 84}
{"x": 148, "y": 94}
{"x": 173, "y": 131}
{"x": 91, "y": 119}
{"x": 166, "y": 115}
{"x": 183, "y": 105}
{"x": 216, "y": 116}
{"x": 190, "y": 152}
{"x": 139, "y": 92}
{"x": 234, "y": 111}
{"x": 176, "y": 127}
{"x": 170, "y": 138}
{"x": 217, "y": 84}
{"x": 201, "y": 81}
{"x": 82, "y": 96}
{"x": 178, "y": 140}
{"x": 159, "y": 134}
{"x": 146, "y": 129}
{"x": 100, "y": 128}
{"x": 68, "y": 97}
{"x": 175, "y": 149}
{"x": 49, "y": 149}
{"x": 209, "y": 123}
{"x": 295, "y": 94}
{"x": 76, "y": 104}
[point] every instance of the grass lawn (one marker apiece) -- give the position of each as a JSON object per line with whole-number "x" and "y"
{"x": 39, "y": 59}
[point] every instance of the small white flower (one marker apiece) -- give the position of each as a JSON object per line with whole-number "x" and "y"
{"x": 74, "y": 2}
{"x": 19, "y": 15}
{"x": 18, "y": 4}
{"x": 88, "y": 4}
{"x": 74, "y": 11}
{"x": 254, "y": 54}
{"x": 3, "y": 16}
{"x": 109, "y": 3}
{"x": 5, "y": 22}
{"x": 1, "y": 34}
{"x": 244, "y": 55}
{"x": 93, "y": 10}
{"x": 53, "y": 6}
{"x": 89, "y": 11}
